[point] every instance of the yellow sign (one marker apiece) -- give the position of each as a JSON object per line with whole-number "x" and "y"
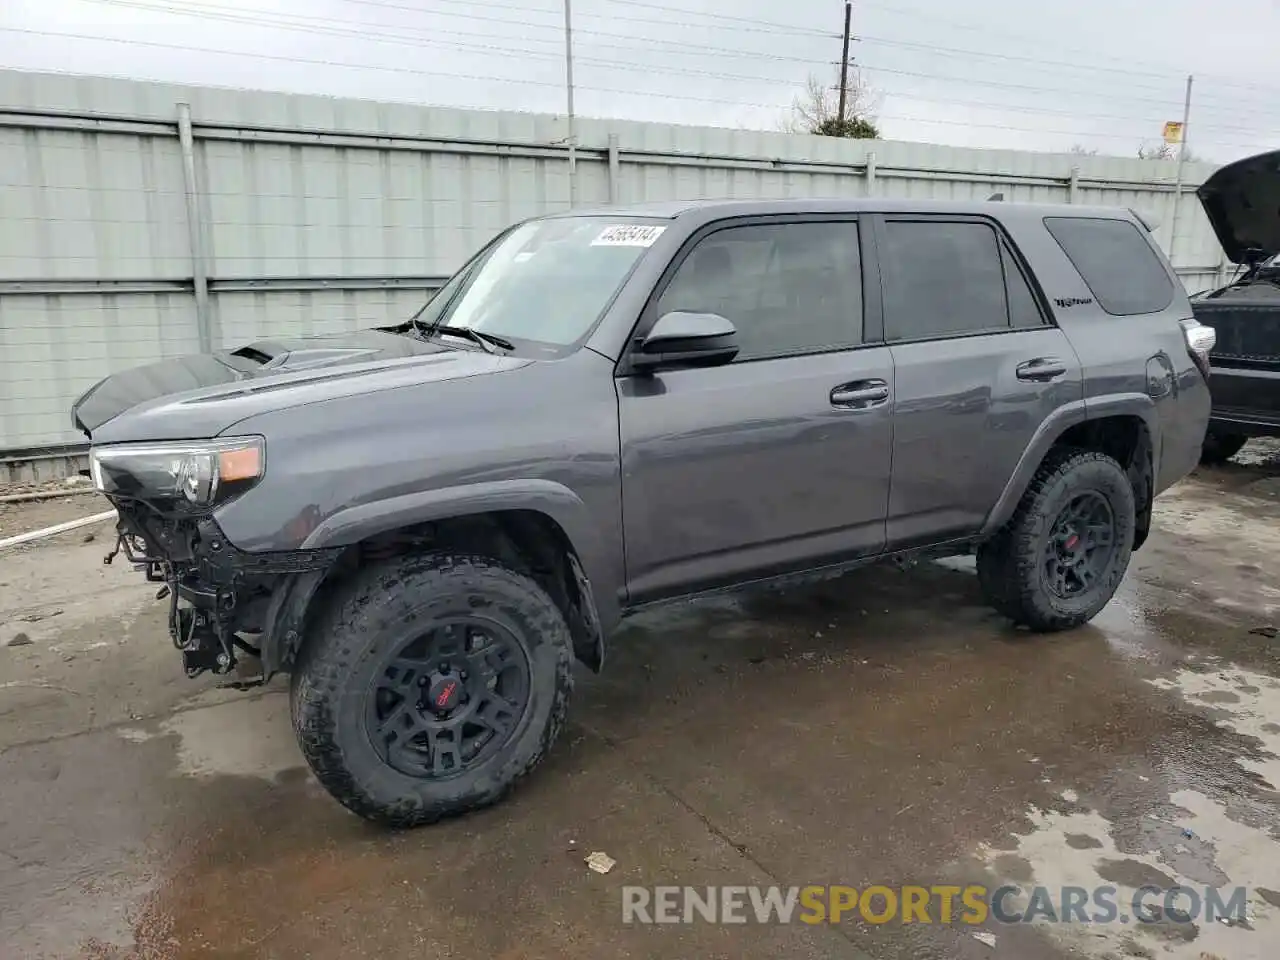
{"x": 1173, "y": 132}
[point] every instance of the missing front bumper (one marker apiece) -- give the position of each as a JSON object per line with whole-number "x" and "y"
{"x": 220, "y": 598}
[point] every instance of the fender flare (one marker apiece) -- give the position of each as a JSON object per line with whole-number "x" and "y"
{"x": 590, "y": 561}
{"x": 1051, "y": 430}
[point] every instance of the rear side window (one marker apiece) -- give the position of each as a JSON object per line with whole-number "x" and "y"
{"x": 1115, "y": 260}
{"x": 942, "y": 279}
{"x": 1024, "y": 314}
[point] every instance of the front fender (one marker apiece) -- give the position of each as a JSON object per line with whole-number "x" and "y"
{"x": 554, "y": 500}
{"x": 1051, "y": 430}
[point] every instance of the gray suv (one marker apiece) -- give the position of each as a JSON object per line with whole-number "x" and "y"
{"x": 426, "y": 524}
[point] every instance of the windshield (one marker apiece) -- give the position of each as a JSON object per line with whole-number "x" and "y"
{"x": 546, "y": 280}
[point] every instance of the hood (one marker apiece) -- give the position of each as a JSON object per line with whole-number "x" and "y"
{"x": 202, "y": 394}
{"x": 1242, "y": 201}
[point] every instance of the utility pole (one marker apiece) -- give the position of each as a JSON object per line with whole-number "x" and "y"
{"x": 568, "y": 82}
{"x": 844, "y": 64}
{"x": 1182, "y": 159}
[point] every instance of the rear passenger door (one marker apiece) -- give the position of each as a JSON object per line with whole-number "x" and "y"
{"x": 977, "y": 368}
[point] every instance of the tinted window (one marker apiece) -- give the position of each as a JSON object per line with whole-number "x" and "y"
{"x": 1023, "y": 311}
{"x": 942, "y": 279}
{"x": 789, "y": 288}
{"x": 1116, "y": 262}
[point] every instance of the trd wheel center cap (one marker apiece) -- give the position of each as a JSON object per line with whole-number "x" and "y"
{"x": 1073, "y": 547}
{"x": 444, "y": 694}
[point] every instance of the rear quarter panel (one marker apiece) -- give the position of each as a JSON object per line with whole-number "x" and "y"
{"x": 1131, "y": 364}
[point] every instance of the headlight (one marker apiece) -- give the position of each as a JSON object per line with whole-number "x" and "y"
{"x": 200, "y": 472}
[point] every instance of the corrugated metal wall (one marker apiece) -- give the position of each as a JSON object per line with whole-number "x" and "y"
{"x": 315, "y": 215}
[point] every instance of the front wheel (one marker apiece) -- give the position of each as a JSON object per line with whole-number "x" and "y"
{"x": 1060, "y": 558}
{"x": 429, "y": 685}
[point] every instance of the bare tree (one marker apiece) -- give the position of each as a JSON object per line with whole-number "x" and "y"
{"x": 1080, "y": 150}
{"x": 1164, "y": 151}
{"x": 817, "y": 109}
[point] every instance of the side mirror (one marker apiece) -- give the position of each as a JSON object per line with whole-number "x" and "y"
{"x": 687, "y": 339}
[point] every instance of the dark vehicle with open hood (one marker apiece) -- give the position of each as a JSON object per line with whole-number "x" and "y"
{"x": 1242, "y": 201}
{"x": 427, "y": 525}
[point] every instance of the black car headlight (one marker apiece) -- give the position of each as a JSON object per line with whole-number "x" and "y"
{"x": 201, "y": 473}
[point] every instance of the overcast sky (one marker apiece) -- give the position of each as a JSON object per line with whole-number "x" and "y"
{"x": 1101, "y": 74}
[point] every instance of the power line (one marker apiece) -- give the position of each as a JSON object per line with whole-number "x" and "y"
{"x": 280, "y": 58}
{"x": 1010, "y": 58}
{"x": 717, "y": 16}
{"x": 1163, "y": 71}
{"x": 763, "y": 27}
{"x": 416, "y": 72}
{"x": 215, "y": 12}
{"x": 897, "y": 7}
{"x": 189, "y": 9}
{"x": 1004, "y": 84}
{"x": 1158, "y": 69}
{"x": 556, "y": 41}
{"x": 319, "y": 26}
{"x": 279, "y": 23}
{"x": 1091, "y": 134}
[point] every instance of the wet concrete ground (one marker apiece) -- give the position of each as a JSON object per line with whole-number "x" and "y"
{"x": 883, "y": 728}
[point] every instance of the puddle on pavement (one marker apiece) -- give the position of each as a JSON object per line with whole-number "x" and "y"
{"x": 914, "y": 727}
{"x": 245, "y": 737}
{"x": 1208, "y": 815}
{"x": 1243, "y": 701}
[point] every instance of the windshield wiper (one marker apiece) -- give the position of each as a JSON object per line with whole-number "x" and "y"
{"x": 487, "y": 341}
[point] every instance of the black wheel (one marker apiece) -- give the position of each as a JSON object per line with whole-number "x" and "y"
{"x": 1060, "y": 558}
{"x": 429, "y": 685}
{"x": 1220, "y": 447}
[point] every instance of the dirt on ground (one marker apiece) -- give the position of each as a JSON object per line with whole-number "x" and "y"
{"x": 883, "y": 728}
{"x": 62, "y": 505}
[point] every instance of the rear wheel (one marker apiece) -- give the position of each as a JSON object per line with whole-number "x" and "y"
{"x": 1220, "y": 447}
{"x": 430, "y": 685}
{"x": 1060, "y": 558}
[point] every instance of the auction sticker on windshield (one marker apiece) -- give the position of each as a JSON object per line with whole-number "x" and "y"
{"x": 628, "y": 235}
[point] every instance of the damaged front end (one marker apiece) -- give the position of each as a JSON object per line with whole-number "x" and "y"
{"x": 222, "y": 600}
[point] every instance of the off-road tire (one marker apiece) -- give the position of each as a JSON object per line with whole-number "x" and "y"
{"x": 1010, "y": 564}
{"x": 361, "y": 619}
{"x": 1220, "y": 447}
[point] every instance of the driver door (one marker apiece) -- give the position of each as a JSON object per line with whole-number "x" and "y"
{"x": 779, "y": 460}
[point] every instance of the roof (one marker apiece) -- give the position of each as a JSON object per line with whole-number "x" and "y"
{"x": 673, "y": 209}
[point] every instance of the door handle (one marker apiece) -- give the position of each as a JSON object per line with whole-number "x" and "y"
{"x": 1041, "y": 369}
{"x": 860, "y": 394}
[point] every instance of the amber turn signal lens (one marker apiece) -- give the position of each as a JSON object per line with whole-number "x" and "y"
{"x": 242, "y": 464}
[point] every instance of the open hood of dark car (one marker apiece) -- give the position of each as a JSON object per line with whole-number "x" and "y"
{"x": 1242, "y": 201}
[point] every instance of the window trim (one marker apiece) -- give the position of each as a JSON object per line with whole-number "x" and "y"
{"x": 879, "y": 223}
{"x": 1038, "y": 299}
{"x": 872, "y": 319}
{"x": 1144, "y": 236}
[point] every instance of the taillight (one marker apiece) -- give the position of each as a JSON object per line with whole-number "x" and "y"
{"x": 1200, "y": 340}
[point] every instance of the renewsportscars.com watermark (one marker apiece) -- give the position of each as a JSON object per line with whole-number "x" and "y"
{"x": 941, "y": 903}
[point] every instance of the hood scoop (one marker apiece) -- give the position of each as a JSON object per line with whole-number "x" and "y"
{"x": 284, "y": 358}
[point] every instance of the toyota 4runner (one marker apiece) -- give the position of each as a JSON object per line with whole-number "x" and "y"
{"x": 426, "y": 524}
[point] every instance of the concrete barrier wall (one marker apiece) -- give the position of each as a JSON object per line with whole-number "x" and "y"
{"x": 140, "y": 221}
